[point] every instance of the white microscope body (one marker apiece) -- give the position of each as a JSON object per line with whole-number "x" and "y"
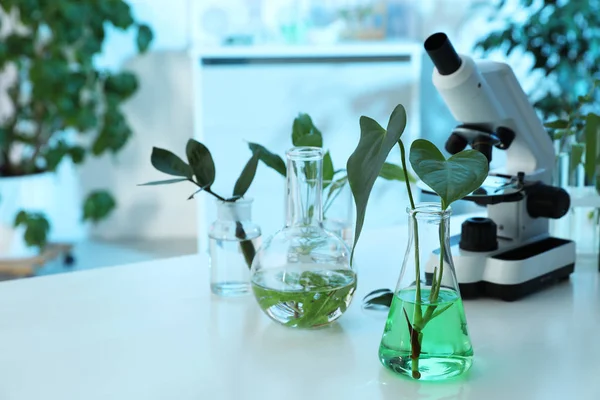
{"x": 487, "y": 99}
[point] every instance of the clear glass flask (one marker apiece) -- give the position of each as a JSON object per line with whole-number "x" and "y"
{"x": 301, "y": 277}
{"x": 425, "y": 335}
{"x": 233, "y": 241}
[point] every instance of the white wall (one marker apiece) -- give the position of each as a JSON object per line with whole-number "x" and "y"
{"x": 259, "y": 103}
{"x": 160, "y": 114}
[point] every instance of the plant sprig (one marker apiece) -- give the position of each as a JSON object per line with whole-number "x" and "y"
{"x": 452, "y": 179}
{"x": 201, "y": 171}
{"x": 305, "y": 133}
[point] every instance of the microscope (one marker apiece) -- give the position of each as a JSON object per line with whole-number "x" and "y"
{"x": 508, "y": 254}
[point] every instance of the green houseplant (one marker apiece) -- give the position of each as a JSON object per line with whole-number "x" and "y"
{"x": 426, "y": 317}
{"x": 562, "y": 41}
{"x": 60, "y": 104}
{"x": 200, "y": 170}
{"x": 335, "y": 181}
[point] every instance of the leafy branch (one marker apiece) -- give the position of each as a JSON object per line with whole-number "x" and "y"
{"x": 452, "y": 179}
{"x": 201, "y": 171}
{"x": 305, "y": 133}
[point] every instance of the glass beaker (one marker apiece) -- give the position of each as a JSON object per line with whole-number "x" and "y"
{"x": 425, "y": 335}
{"x": 301, "y": 277}
{"x": 233, "y": 240}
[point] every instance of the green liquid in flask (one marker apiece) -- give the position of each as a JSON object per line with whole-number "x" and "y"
{"x": 304, "y": 299}
{"x": 446, "y": 349}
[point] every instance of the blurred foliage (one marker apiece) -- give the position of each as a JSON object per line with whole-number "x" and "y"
{"x": 98, "y": 205}
{"x": 578, "y": 134}
{"x": 564, "y": 40}
{"x": 49, "y": 47}
{"x": 36, "y": 227}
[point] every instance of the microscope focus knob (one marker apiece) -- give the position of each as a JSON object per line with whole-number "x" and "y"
{"x": 456, "y": 143}
{"x": 548, "y": 202}
{"x": 478, "y": 234}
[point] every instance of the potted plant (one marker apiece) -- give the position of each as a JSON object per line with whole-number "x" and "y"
{"x": 57, "y": 105}
{"x": 337, "y": 201}
{"x": 425, "y": 336}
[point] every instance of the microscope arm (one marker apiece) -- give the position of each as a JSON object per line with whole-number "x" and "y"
{"x": 487, "y": 95}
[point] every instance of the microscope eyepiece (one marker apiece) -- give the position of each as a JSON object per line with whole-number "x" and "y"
{"x": 442, "y": 53}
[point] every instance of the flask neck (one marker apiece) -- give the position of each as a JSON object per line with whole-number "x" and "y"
{"x": 428, "y": 253}
{"x": 239, "y": 210}
{"x": 304, "y": 186}
{"x": 429, "y": 222}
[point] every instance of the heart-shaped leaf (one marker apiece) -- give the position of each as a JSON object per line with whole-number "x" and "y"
{"x": 167, "y": 162}
{"x": 269, "y": 159}
{"x": 368, "y": 158}
{"x": 305, "y": 133}
{"x": 451, "y": 179}
{"x": 246, "y": 177}
{"x": 201, "y": 162}
{"x": 327, "y": 170}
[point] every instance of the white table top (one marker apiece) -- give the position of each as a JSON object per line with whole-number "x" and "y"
{"x": 153, "y": 331}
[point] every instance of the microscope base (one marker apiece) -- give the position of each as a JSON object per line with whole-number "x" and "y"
{"x": 511, "y": 272}
{"x": 515, "y": 291}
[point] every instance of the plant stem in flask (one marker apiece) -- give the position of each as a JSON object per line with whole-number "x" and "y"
{"x": 301, "y": 298}
{"x": 438, "y": 348}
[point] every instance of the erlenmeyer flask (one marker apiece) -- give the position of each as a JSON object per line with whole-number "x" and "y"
{"x": 301, "y": 276}
{"x": 425, "y": 335}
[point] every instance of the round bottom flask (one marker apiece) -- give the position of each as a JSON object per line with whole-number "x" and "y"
{"x": 301, "y": 276}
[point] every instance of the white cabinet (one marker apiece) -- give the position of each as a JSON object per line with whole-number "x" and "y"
{"x": 254, "y": 93}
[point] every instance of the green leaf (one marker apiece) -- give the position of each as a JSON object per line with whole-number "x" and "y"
{"x": 591, "y": 131}
{"x": 167, "y": 162}
{"x": 77, "y": 154}
{"x": 201, "y": 162}
{"x": 37, "y": 228}
{"x": 451, "y": 179}
{"x": 368, "y": 158}
{"x": 305, "y": 133}
{"x": 577, "y": 150}
{"x": 98, "y": 205}
{"x": 328, "y": 170}
{"x": 269, "y": 159}
{"x": 441, "y": 310}
{"x": 195, "y": 193}
{"x": 123, "y": 85}
{"x": 557, "y": 124}
{"x": 393, "y": 172}
{"x": 21, "y": 218}
{"x": 382, "y": 301}
{"x": 164, "y": 182}
{"x": 144, "y": 38}
{"x": 54, "y": 155}
{"x": 246, "y": 177}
